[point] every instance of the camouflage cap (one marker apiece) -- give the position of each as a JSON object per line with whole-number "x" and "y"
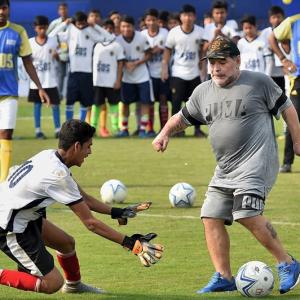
{"x": 221, "y": 47}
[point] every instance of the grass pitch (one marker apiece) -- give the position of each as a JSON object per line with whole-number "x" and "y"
{"x": 148, "y": 175}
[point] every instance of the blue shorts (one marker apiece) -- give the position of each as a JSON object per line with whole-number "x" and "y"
{"x": 80, "y": 88}
{"x": 136, "y": 92}
{"x": 160, "y": 88}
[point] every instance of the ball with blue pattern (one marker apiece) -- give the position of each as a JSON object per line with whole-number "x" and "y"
{"x": 182, "y": 195}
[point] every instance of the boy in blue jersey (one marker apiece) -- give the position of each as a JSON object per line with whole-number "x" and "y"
{"x": 13, "y": 43}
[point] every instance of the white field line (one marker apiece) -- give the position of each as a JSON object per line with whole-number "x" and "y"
{"x": 197, "y": 218}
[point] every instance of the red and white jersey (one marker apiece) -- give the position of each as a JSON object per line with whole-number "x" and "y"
{"x": 105, "y": 63}
{"x": 154, "y": 64}
{"x": 252, "y": 54}
{"x": 186, "y": 48}
{"x": 209, "y": 32}
{"x": 43, "y": 61}
{"x": 81, "y": 43}
{"x": 133, "y": 51}
{"x": 39, "y": 182}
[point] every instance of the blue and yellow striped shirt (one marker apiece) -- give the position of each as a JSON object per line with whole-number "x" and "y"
{"x": 13, "y": 43}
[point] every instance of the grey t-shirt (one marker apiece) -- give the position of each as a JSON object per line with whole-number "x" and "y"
{"x": 241, "y": 129}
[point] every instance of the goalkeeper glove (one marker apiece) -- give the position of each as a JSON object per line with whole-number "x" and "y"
{"x": 149, "y": 254}
{"x": 122, "y": 214}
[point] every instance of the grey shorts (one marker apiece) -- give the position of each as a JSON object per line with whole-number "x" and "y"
{"x": 232, "y": 204}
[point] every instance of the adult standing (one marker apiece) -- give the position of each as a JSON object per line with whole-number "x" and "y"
{"x": 238, "y": 106}
{"x": 289, "y": 29}
{"x": 13, "y": 43}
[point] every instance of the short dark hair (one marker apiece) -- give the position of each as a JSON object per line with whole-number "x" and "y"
{"x": 128, "y": 19}
{"x": 207, "y": 15}
{"x": 153, "y": 12}
{"x": 80, "y": 16}
{"x": 64, "y": 4}
{"x": 174, "y": 16}
{"x": 113, "y": 12}
{"x": 163, "y": 15}
{"x": 249, "y": 19}
{"x": 220, "y": 4}
{"x": 108, "y": 22}
{"x": 275, "y": 10}
{"x": 5, "y": 2}
{"x": 73, "y": 131}
{"x": 41, "y": 21}
{"x": 95, "y": 11}
{"x": 188, "y": 8}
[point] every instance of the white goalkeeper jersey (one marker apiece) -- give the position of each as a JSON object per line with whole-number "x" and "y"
{"x": 154, "y": 64}
{"x": 43, "y": 61}
{"x": 133, "y": 51}
{"x": 252, "y": 54}
{"x": 105, "y": 63}
{"x": 186, "y": 48}
{"x": 39, "y": 182}
{"x": 81, "y": 43}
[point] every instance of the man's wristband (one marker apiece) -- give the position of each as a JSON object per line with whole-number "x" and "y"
{"x": 128, "y": 242}
{"x": 116, "y": 212}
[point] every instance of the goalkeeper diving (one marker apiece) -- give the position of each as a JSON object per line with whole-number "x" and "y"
{"x": 25, "y": 232}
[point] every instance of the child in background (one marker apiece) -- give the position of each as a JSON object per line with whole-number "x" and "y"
{"x": 107, "y": 76}
{"x": 252, "y": 47}
{"x": 44, "y": 57}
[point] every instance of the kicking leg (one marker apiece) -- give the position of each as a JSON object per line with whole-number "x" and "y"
{"x": 288, "y": 268}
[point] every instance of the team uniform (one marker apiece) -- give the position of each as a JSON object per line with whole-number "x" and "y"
{"x": 25, "y": 195}
{"x": 253, "y": 54}
{"x": 241, "y": 130}
{"x": 274, "y": 66}
{"x": 44, "y": 64}
{"x": 185, "y": 73}
{"x": 80, "y": 82}
{"x": 106, "y": 56}
{"x": 62, "y": 64}
{"x": 106, "y": 59}
{"x": 135, "y": 85}
{"x": 289, "y": 29}
{"x": 155, "y": 62}
{"x": 13, "y": 43}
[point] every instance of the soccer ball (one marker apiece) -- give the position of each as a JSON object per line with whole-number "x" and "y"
{"x": 113, "y": 191}
{"x": 182, "y": 195}
{"x": 255, "y": 279}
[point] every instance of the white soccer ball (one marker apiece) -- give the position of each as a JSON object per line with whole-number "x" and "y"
{"x": 255, "y": 279}
{"x": 182, "y": 195}
{"x": 113, "y": 191}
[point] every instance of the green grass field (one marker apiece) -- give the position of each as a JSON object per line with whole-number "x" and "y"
{"x": 148, "y": 175}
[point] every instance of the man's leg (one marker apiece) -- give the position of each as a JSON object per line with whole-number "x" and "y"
{"x": 47, "y": 284}
{"x": 288, "y": 158}
{"x": 215, "y": 213}
{"x": 36, "y": 270}
{"x": 64, "y": 244}
{"x": 8, "y": 116}
{"x": 288, "y": 268}
{"x": 218, "y": 245}
{"x": 264, "y": 232}
{"x": 5, "y": 151}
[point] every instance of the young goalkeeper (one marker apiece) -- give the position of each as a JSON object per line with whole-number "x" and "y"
{"x": 25, "y": 232}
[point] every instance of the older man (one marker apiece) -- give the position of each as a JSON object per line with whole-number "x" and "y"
{"x": 238, "y": 106}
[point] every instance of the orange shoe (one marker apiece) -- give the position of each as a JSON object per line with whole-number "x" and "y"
{"x": 104, "y": 132}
